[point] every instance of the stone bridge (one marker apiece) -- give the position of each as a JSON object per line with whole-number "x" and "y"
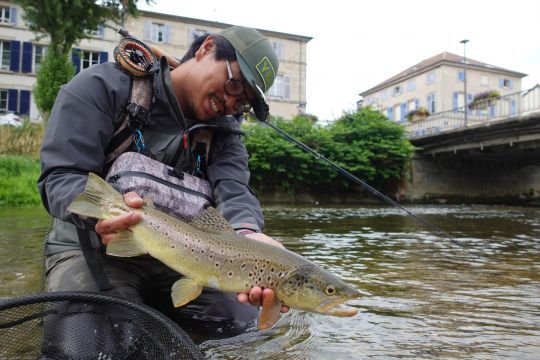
{"x": 485, "y": 154}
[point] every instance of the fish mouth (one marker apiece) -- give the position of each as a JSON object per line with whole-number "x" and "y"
{"x": 337, "y": 308}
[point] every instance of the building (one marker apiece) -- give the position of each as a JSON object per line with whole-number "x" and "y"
{"x": 21, "y": 55}
{"x": 437, "y": 84}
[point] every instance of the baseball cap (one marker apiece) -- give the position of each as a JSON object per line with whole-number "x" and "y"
{"x": 258, "y": 63}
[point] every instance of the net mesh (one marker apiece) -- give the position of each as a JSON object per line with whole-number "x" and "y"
{"x": 76, "y": 325}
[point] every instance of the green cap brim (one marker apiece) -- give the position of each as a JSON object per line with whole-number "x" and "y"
{"x": 260, "y": 107}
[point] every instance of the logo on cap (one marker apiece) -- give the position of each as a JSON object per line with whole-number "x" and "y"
{"x": 266, "y": 70}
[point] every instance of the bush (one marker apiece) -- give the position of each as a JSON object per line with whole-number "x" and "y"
{"x": 365, "y": 143}
{"x": 18, "y": 177}
{"x": 55, "y": 71}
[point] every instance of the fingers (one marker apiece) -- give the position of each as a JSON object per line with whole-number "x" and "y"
{"x": 256, "y": 297}
{"x": 108, "y": 228}
{"x": 133, "y": 199}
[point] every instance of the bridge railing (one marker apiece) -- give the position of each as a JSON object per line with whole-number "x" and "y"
{"x": 510, "y": 106}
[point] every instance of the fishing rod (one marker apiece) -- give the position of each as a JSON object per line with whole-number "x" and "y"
{"x": 355, "y": 179}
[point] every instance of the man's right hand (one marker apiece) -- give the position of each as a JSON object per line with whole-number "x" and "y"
{"x": 108, "y": 228}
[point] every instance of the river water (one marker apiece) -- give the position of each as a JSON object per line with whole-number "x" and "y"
{"x": 475, "y": 296}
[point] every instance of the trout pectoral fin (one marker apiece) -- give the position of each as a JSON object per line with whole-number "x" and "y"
{"x": 185, "y": 290}
{"x": 125, "y": 245}
{"x": 270, "y": 311}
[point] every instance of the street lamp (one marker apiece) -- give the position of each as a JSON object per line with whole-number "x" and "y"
{"x": 464, "y": 42}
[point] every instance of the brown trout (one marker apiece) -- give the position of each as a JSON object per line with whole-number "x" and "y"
{"x": 208, "y": 252}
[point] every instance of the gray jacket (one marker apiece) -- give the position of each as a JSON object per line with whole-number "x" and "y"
{"x": 81, "y": 125}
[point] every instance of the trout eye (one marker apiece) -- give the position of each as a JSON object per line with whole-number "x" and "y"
{"x": 330, "y": 290}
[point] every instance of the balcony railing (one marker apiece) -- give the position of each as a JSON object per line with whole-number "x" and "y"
{"x": 520, "y": 104}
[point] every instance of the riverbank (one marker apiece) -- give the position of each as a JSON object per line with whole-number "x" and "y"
{"x": 18, "y": 177}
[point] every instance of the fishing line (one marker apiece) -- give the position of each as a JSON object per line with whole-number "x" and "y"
{"x": 440, "y": 232}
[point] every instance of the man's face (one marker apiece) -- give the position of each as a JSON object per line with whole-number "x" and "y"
{"x": 206, "y": 96}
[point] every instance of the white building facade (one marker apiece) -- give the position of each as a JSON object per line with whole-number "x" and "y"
{"x": 437, "y": 84}
{"x": 21, "y": 55}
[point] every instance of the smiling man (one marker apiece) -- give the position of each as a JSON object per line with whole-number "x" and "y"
{"x": 219, "y": 78}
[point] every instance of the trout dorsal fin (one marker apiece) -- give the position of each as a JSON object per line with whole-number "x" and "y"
{"x": 211, "y": 219}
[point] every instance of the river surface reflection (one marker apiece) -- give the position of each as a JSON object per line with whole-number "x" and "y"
{"x": 477, "y": 296}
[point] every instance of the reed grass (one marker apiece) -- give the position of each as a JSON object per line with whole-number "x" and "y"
{"x": 24, "y": 140}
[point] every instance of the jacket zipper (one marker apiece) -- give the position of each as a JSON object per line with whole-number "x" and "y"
{"x": 113, "y": 179}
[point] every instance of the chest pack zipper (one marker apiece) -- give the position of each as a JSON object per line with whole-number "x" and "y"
{"x": 113, "y": 179}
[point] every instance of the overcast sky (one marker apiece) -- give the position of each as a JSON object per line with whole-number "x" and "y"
{"x": 358, "y": 44}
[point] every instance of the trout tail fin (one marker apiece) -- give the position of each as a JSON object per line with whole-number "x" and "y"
{"x": 96, "y": 194}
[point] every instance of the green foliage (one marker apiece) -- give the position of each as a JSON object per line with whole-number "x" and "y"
{"x": 365, "y": 143}
{"x": 55, "y": 71}
{"x": 24, "y": 140}
{"x": 18, "y": 177}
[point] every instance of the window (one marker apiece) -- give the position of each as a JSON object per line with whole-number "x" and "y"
{"x": 505, "y": 83}
{"x": 411, "y": 85}
{"x": 194, "y": 33}
{"x": 484, "y": 80}
{"x": 5, "y": 54}
{"x": 98, "y": 32}
{"x": 461, "y": 75}
{"x": 89, "y": 58}
{"x": 157, "y": 32}
{"x": 3, "y": 99}
{"x": 430, "y": 78}
{"x": 4, "y": 14}
{"x": 39, "y": 55}
{"x": 278, "y": 49}
{"x": 397, "y": 90}
{"x": 411, "y": 105}
{"x": 281, "y": 87}
{"x": 431, "y": 103}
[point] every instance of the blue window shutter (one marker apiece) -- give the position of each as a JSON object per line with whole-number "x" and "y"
{"x": 76, "y": 59}
{"x": 511, "y": 84}
{"x": 24, "y": 106}
{"x": 403, "y": 110}
{"x": 167, "y": 34}
{"x": 13, "y": 16}
{"x": 416, "y": 103}
{"x": 454, "y": 100}
{"x": 469, "y": 98}
{"x": 390, "y": 113}
{"x": 13, "y": 100}
{"x": 27, "y": 57}
{"x": 14, "y": 58}
{"x": 461, "y": 75}
{"x": 147, "y": 30}
{"x": 103, "y": 57}
{"x": 501, "y": 82}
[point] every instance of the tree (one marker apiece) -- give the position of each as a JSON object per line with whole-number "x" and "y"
{"x": 65, "y": 23}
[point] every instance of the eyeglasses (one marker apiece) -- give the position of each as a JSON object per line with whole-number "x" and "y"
{"x": 234, "y": 87}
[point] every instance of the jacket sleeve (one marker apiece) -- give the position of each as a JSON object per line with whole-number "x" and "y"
{"x": 79, "y": 129}
{"x": 228, "y": 173}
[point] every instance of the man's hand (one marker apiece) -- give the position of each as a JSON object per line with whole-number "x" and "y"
{"x": 107, "y": 229}
{"x": 256, "y": 295}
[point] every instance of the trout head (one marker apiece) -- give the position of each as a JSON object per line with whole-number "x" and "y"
{"x": 314, "y": 289}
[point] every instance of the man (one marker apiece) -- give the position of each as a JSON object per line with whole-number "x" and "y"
{"x": 224, "y": 74}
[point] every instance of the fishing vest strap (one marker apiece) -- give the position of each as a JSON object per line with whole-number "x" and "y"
{"x": 91, "y": 256}
{"x": 135, "y": 115}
